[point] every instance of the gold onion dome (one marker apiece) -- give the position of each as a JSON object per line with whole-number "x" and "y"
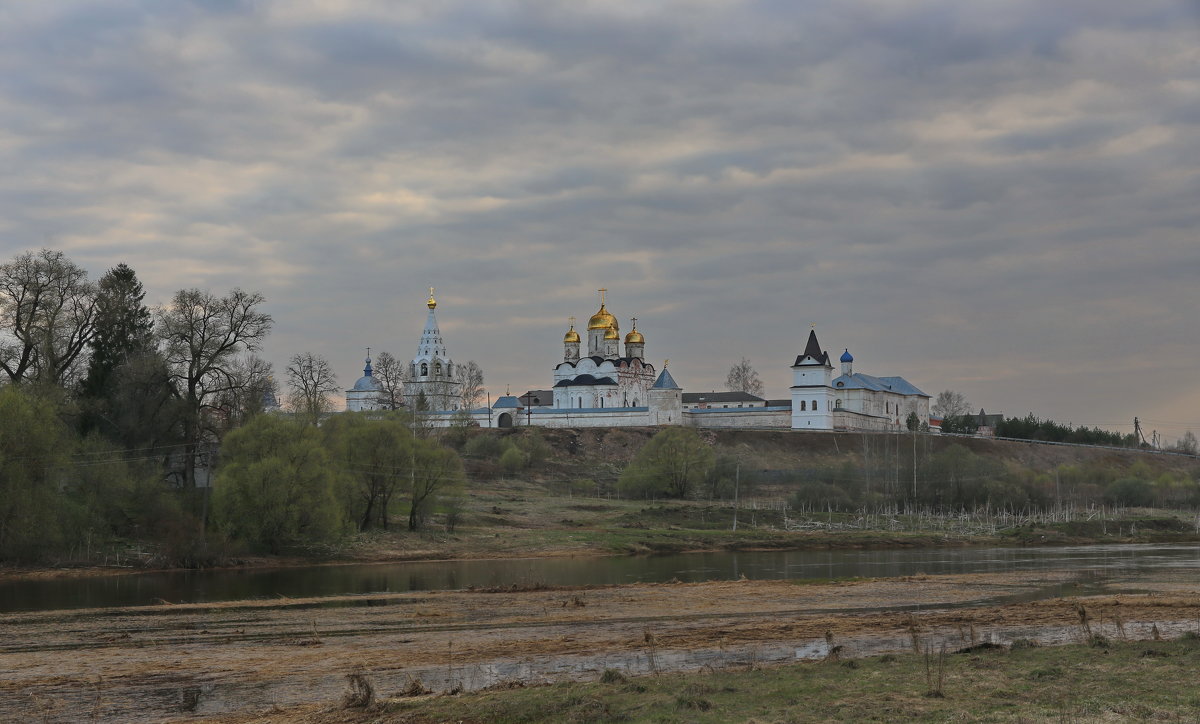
{"x": 431, "y": 302}
{"x": 611, "y": 333}
{"x": 635, "y": 337}
{"x": 571, "y": 336}
{"x": 603, "y": 319}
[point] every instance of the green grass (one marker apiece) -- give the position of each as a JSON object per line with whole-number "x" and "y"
{"x": 1134, "y": 681}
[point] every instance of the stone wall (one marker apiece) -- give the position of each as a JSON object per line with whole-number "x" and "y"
{"x": 744, "y": 417}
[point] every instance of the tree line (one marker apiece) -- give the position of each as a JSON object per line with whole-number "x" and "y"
{"x": 890, "y": 473}
{"x": 110, "y": 410}
{"x": 957, "y": 418}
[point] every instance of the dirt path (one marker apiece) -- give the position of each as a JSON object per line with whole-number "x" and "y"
{"x": 196, "y": 661}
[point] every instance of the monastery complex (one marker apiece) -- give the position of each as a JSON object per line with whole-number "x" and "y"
{"x": 599, "y": 386}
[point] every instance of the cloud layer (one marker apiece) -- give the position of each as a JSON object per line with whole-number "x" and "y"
{"x": 997, "y": 197}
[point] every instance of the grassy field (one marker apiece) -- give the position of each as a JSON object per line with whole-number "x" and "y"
{"x": 516, "y": 517}
{"x": 568, "y": 503}
{"x": 1106, "y": 681}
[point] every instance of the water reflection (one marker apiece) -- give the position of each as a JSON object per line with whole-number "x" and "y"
{"x": 227, "y": 585}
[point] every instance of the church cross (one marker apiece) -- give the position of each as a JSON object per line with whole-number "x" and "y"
{"x": 368, "y": 352}
{"x": 602, "y": 290}
{"x": 634, "y": 320}
{"x": 572, "y": 318}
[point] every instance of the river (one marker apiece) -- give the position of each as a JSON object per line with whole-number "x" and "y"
{"x": 239, "y": 584}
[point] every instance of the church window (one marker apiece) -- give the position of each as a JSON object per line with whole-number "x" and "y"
{"x": 635, "y": 402}
{"x": 803, "y": 406}
{"x": 437, "y": 368}
{"x": 424, "y": 369}
{"x": 838, "y": 404}
{"x": 815, "y": 405}
{"x": 450, "y": 369}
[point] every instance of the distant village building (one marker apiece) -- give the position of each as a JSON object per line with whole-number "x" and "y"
{"x": 985, "y": 424}
{"x": 724, "y": 400}
{"x": 601, "y": 386}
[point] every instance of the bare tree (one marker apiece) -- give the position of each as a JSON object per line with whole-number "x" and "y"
{"x": 1187, "y": 443}
{"x": 253, "y": 385}
{"x": 311, "y": 381}
{"x": 950, "y": 404}
{"x": 472, "y": 385}
{"x": 202, "y": 335}
{"x": 390, "y": 372}
{"x": 742, "y": 377}
{"x": 47, "y": 317}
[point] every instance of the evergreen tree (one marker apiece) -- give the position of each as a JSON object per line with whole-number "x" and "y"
{"x": 124, "y": 328}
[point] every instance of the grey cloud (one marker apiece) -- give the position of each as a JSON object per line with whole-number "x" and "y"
{"x": 952, "y": 188}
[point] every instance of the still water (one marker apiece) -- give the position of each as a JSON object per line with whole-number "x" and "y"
{"x": 1182, "y": 561}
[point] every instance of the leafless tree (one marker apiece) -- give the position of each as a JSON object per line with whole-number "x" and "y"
{"x": 47, "y": 317}
{"x": 1187, "y": 443}
{"x": 390, "y": 373}
{"x": 472, "y": 385}
{"x": 202, "y": 336}
{"x": 311, "y": 381}
{"x": 742, "y": 377}
{"x": 950, "y": 404}
{"x": 253, "y": 384}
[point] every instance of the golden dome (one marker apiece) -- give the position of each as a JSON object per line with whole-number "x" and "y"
{"x": 571, "y": 336}
{"x": 611, "y": 333}
{"x": 603, "y": 320}
{"x": 635, "y": 337}
{"x": 431, "y": 303}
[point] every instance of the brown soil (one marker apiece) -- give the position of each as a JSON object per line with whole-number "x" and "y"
{"x": 234, "y": 659}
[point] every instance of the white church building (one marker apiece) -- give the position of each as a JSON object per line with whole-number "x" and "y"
{"x": 850, "y": 401}
{"x": 605, "y": 388}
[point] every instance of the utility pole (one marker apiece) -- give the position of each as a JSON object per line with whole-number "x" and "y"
{"x": 1057, "y": 491}
{"x": 737, "y": 480}
{"x": 914, "y": 436}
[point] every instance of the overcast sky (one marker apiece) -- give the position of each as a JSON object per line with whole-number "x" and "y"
{"x": 999, "y": 197}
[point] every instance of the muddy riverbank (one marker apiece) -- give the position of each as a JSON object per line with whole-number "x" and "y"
{"x": 150, "y": 663}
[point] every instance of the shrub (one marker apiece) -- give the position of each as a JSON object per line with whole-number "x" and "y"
{"x": 612, "y": 676}
{"x": 1132, "y": 492}
{"x": 486, "y": 446}
{"x": 513, "y": 461}
{"x": 672, "y": 464}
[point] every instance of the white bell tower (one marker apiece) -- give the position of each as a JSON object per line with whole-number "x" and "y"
{"x": 812, "y": 390}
